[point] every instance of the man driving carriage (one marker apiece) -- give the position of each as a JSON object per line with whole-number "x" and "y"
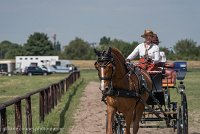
{"x": 148, "y": 52}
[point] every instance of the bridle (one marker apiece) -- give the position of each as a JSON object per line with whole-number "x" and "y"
{"x": 102, "y": 63}
{"x": 104, "y": 66}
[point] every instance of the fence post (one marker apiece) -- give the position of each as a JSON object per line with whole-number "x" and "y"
{"x": 55, "y": 95}
{"x": 18, "y": 117}
{"x": 62, "y": 87}
{"x": 3, "y": 122}
{"x": 58, "y": 92}
{"x": 49, "y": 99}
{"x": 52, "y": 96}
{"x": 41, "y": 106}
{"x": 45, "y": 102}
{"x": 28, "y": 115}
{"x": 65, "y": 85}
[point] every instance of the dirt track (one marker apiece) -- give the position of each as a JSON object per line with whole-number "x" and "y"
{"x": 90, "y": 117}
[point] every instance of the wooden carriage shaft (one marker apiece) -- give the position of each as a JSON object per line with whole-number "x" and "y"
{"x": 157, "y": 102}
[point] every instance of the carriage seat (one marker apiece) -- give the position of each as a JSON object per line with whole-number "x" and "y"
{"x": 169, "y": 75}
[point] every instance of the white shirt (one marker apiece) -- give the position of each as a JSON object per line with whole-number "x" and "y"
{"x": 153, "y": 52}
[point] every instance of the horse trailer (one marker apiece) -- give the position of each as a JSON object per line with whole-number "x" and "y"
{"x": 24, "y": 61}
{"x": 7, "y": 67}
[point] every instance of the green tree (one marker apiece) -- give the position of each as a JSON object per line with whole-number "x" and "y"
{"x": 186, "y": 49}
{"x": 125, "y": 47}
{"x": 105, "y": 40}
{"x": 18, "y": 51}
{"x": 38, "y": 44}
{"x": 9, "y": 50}
{"x": 78, "y": 49}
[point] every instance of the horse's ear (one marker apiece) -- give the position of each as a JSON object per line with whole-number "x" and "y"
{"x": 109, "y": 51}
{"x": 98, "y": 53}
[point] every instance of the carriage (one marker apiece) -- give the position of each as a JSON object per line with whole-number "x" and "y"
{"x": 158, "y": 105}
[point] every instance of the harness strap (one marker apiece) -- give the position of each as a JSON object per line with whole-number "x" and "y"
{"x": 121, "y": 93}
{"x": 105, "y": 78}
{"x": 129, "y": 94}
{"x": 141, "y": 81}
{"x": 125, "y": 93}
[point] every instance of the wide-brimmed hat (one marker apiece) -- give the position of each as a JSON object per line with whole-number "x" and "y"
{"x": 147, "y": 33}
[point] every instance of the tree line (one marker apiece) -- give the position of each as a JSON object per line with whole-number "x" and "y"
{"x": 39, "y": 44}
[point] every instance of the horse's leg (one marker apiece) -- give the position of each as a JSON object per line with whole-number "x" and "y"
{"x": 137, "y": 117}
{"x": 128, "y": 119}
{"x": 110, "y": 114}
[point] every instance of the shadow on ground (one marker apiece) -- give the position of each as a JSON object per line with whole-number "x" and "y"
{"x": 67, "y": 104}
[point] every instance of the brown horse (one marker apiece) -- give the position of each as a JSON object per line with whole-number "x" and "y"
{"x": 114, "y": 75}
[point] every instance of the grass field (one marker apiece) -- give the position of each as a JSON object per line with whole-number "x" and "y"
{"x": 62, "y": 115}
{"x": 14, "y": 86}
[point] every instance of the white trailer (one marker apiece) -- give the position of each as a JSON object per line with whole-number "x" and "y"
{"x": 24, "y": 61}
{"x": 7, "y": 66}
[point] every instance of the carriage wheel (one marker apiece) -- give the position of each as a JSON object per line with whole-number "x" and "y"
{"x": 120, "y": 129}
{"x": 185, "y": 113}
{"x": 117, "y": 127}
{"x": 179, "y": 121}
{"x": 182, "y": 118}
{"x": 114, "y": 127}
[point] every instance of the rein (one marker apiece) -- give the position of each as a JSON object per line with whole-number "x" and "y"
{"x": 122, "y": 93}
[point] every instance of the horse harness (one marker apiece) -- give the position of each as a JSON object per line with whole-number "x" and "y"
{"x": 118, "y": 92}
{"x": 133, "y": 94}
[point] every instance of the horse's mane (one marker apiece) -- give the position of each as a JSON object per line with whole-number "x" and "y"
{"x": 118, "y": 54}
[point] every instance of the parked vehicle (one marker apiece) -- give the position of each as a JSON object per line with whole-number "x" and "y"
{"x": 58, "y": 69}
{"x": 71, "y": 67}
{"x": 7, "y": 67}
{"x": 35, "y": 71}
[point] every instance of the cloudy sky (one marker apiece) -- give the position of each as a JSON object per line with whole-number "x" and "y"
{"x": 90, "y": 20}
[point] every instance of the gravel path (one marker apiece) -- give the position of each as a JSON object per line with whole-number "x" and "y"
{"x": 90, "y": 117}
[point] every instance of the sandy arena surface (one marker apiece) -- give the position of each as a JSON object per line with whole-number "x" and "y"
{"x": 90, "y": 117}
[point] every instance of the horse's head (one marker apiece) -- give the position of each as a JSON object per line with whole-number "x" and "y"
{"x": 105, "y": 67}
